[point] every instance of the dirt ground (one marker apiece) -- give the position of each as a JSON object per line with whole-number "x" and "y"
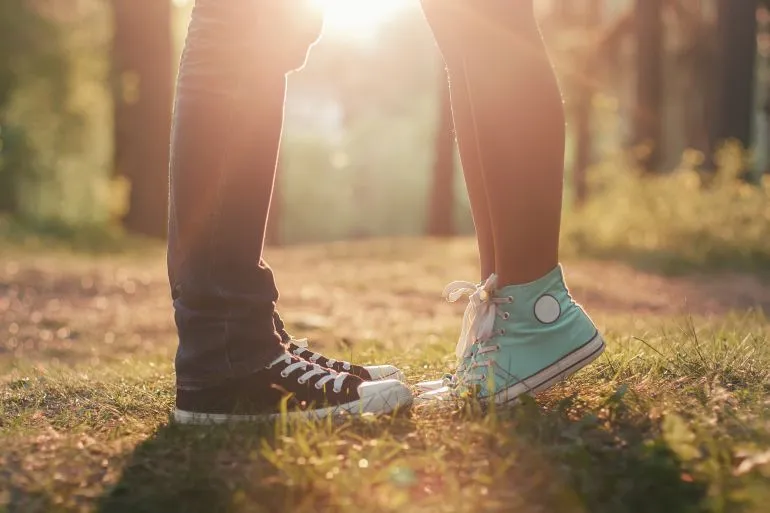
{"x": 62, "y": 305}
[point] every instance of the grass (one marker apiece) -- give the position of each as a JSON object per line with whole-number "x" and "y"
{"x": 675, "y": 417}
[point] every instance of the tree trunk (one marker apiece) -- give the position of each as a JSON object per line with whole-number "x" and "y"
{"x": 735, "y": 69}
{"x": 649, "y": 82}
{"x": 143, "y": 72}
{"x": 585, "y": 88}
{"x": 440, "y": 217}
{"x": 693, "y": 62}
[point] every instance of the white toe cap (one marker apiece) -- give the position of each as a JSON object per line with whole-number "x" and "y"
{"x": 380, "y": 372}
{"x": 384, "y": 396}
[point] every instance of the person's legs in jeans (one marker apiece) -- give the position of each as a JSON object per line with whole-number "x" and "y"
{"x": 227, "y": 128}
{"x": 226, "y": 132}
{"x": 528, "y": 332}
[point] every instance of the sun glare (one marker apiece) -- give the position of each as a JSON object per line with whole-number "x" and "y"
{"x": 358, "y": 17}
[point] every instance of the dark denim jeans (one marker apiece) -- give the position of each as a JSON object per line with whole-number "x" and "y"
{"x": 226, "y": 132}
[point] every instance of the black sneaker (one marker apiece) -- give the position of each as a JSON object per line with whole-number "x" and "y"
{"x": 313, "y": 392}
{"x": 299, "y": 347}
{"x": 365, "y": 372}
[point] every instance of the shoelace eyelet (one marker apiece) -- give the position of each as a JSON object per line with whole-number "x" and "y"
{"x": 511, "y": 299}
{"x": 301, "y": 381}
{"x": 284, "y": 374}
{"x": 506, "y": 316}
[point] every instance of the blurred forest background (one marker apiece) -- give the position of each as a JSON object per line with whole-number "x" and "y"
{"x": 667, "y": 104}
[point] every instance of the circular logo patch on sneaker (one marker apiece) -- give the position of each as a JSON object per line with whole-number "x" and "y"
{"x": 547, "y": 309}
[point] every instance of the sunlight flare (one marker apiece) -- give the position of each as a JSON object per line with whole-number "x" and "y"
{"x": 358, "y": 17}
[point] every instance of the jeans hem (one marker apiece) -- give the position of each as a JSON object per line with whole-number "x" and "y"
{"x": 236, "y": 371}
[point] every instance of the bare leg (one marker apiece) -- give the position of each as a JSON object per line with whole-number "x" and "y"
{"x": 525, "y": 332}
{"x": 445, "y": 31}
{"x": 518, "y": 119}
{"x": 473, "y": 172}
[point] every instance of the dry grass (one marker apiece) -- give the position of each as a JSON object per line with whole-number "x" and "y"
{"x": 674, "y": 418}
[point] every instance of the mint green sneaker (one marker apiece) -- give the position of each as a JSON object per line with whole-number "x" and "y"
{"x": 478, "y": 323}
{"x": 539, "y": 337}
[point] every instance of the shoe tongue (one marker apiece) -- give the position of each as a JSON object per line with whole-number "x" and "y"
{"x": 298, "y": 343}
{"x": 280, "y": 328}
{"x": 297, "y": 359}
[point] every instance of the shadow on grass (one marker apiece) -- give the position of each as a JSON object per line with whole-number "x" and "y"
{"x": 603, "y": 459}
{"x": 194, "y": 469}
{"x": 210, "y": 469}
{"x": 584, "y": 463}
{"x": 561, "y": 464}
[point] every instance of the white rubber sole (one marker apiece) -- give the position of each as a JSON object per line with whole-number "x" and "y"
{"x": 534, "y": 384}
{"x": 381, "y": 403}
{"x": 554, "y": 373}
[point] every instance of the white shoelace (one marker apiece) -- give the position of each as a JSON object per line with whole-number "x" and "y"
{"x": 479, "y": 318}
{"x": 302, "y": 345}
{"x": 310, "y": 371}
{"x": 476, "y": 377}
{"x": 477, "y": 325}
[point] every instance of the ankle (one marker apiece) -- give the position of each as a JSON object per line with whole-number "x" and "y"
{"x": 524, "y": 275}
